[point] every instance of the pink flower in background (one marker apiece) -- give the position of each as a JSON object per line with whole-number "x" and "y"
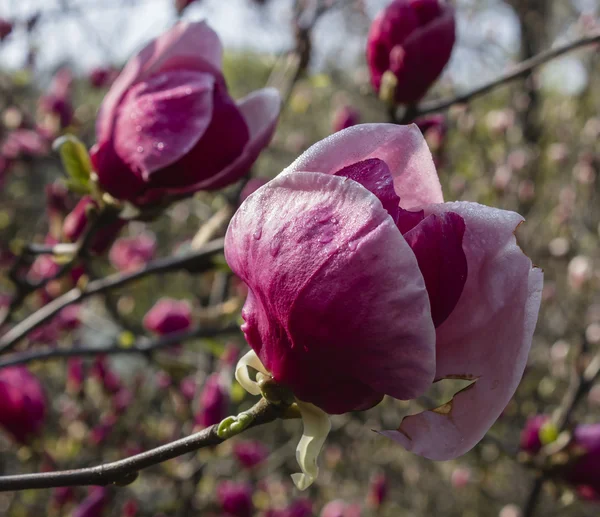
{"x": 128, "y": 254}
{"x": 378, "y": 490}
{"x": 102, "y": 76}
{"x": 57, "y": 100}
{"x": 22, "y": 143}
{"x": 235, "y": 498}
{"x": 76, "y": 222}
{"x": 413, "y": 40}
{"x": 344, "y": 117}
{"x": 62, "y": 495}
{"x": 104, "y": 373}
{"x": 75, "y": 374}
{"x": 434, "y": 129}
{"x": 94, "y": 504}
{"x": 6, "y": 28}
{"x": 22, "y": 403}
{"x": 213, "y": 401}
{"x": 168, "y": 316}
{"x": 339, "y": 508}
{"x": 583, "y": 468}
{"x": 250, "y": 453}
{"x": 362, "y": 283}
{"x": 168, "y": 125}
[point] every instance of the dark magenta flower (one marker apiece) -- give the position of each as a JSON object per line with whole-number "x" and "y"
{"x": 362, "y": 283}
{"x": 130, "y": 253}
{"x": 22, "y": 403}
{"x": 168, "y": 316}
{"x": 6, "y": 28}
{"x": 378, "y": 490}
{"x": 75, "y": 374}
{"x": 168, "y": 126}
{"x": 250, "y": 453}
{"x": 76, "y": 222}
{"x": 105, "y": 374}
{"x": 412, "y": 40}
{"x": 530, "y": 435}
{"x": 102, "y": 76}
{"x": 57, "y": 100}
{"x": 345, "y": 117}
{"x": 213, "y": 401}
{"x": 235, "y": 498}
{"x": 94, "y": 504}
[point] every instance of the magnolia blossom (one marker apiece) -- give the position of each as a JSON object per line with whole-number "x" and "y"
{"x": 131, "y": 253}
{"x": 235, "y": 499}
{"x": 213, "y": 401}
{"x": 56, "y": 103}
{"x": 340, "y": 508}
{"x": 6, "y": 28}
{"x": 582, "y": 470}
{"x": 22, "y": 403}
{"x": 94, "y": 504}
{"x": 160, "y": 130}
{"x": 408, "y": 46}
{"x": 250, "y": 452}
{"x": 345, "y": 117}
{"x": 362, "y": 283}
{"x": 168, "y": 316}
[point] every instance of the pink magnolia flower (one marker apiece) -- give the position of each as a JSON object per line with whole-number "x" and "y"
{"x": 378, "y": 490}
{"x": 250, "y": 453}
{"x": 6, "y": 28}
{"x": 75, "y": 374}
{"x": 57, "y": 100}
{"x": 345, "y": 117}
{"x": 583, "y": 469}
{"x": 22, "y": 403}
{"x": 102, "y": 76}
{"x": 168, "y": 316}
{"x": 94, "y": 504}
{"x": 362, "y": 283}
{"x": 413, "y": 40}
{"x": 213, "y": 401}
{"x": 168, "y": 125}
{"x": 235, "y": 498}
{"x": 339, "y": 508}
{"x": 76, "y": 222}
{"x": 24, "y": 143}
{"x": 131, "y": 253}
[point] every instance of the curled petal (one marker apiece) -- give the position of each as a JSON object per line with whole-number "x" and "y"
{"x": 260, "y": 110}
{"x": 193, "y": 46}
{"x": 316, "y": 428}
{"x": 242, "y": 375}
{"x": 486, "y": 338}
{"x": 402, "y": 148}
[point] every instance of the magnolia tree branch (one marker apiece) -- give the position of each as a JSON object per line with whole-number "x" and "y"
{"x": 582, "y": 381}
{"x": 141, "y": 347}
{"x": 194, "y": 262}
{"x": 516, "y": 72}
{"x": 125, "y": 471}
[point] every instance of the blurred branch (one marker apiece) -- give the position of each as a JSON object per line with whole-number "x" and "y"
{"x": 517, "y": 72}
{"x": 194, "y": 262}
{"x": 125, "y": 471}
{"x": 142, "y": 347}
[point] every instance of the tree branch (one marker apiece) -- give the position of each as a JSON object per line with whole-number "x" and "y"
{"x": 193, "y": 262}
{"x": 518, "y": 71}
{"x": 125, "y": 471}
{"x": 142, "y": 347}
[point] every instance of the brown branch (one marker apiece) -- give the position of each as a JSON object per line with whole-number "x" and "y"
{"x": 517, "y": 72}
{"x": 142, "y": 347}
{"x": 195, "y": 262}
{"x": 125, "y": 471}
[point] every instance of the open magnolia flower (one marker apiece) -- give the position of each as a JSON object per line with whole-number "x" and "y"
{"x": 362, "y": 283}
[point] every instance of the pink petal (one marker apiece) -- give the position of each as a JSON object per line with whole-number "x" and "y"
{"x": 193, "y": 46}
{"x": 402, "y": 148}
{"x": 160, "y": 120}
{"x": 336, "y": 301}
{"x": 486, "y": 338}
{"x": 261, "y": 112}
{"x": 437, "y": 243}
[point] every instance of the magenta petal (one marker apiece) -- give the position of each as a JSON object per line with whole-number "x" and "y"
{"x": 437, "y": 244}
{"x": 160, "y": 120}
{"x": 191, "y": 46}
{"x": 375, "y": 176}
{"x": 260, "y": 110}
{"x": 402, "y": 148}
{"x": 313, "y": 250}
{"x": 486, "y": 338}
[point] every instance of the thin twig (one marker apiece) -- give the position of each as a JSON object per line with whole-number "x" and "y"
{"x": 518, "y": 71}
{"x": 195, "y": 262}
{"x": 142, "y": 347}
{"x": 125, "y": 471}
